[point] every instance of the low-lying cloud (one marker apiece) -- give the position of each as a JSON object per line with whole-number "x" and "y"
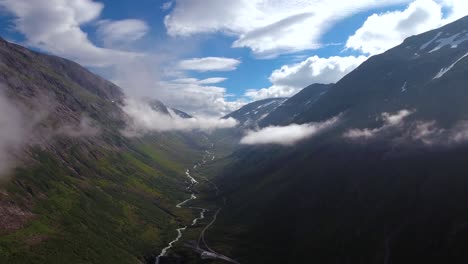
{"x": 143, "y": 119}
{"x": 286, "y": 135}
{"x": 430, "y": 134}
{"x": 290, "y": 79}
{"x": 24, "y": 126}
{"x": 85, "y": 128}
{"x": 12, "y": 133}
{"x": 390, "y": 120}
{"x": 400, "y": 131}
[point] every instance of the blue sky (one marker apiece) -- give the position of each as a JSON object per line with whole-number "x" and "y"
{"x": 276, "y": 47}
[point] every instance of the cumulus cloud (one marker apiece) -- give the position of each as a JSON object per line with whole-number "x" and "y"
{"x": 274, "y": 91}
{"x": 390, "y": 120}
{"x": 315, "y": 70}
{"x": 121, "y": 32}
{"x": 209, "y": 64}
{"x": 267, "y": 27}
{"x": 54, "y": 26}
{"x": 286, "y": 135}
{"x": 381, "y": 32}
{"x": 144, "y": 119}
{"x": 290, "y": 79}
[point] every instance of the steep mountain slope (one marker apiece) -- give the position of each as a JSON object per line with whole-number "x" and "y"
{"x": 80, "y": 192}
{"x": 385, "y": 195}
{"x": 300, "y": 103}
{"x": 160, "y": 107}
{"x": 249, "y": 115}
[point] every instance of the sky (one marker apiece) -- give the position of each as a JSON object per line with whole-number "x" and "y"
{"x": 210, "y": 57}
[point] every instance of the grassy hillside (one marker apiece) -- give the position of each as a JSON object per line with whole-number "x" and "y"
{"x": 116, "y": 206}
{"x": 81, "y": 194}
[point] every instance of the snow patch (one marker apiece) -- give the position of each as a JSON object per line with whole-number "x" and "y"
{"x": 425, "y": 45}
{"x": 443, "y": 71}
{"x": 453, "y": 41}
{"x": 403, "y": 88}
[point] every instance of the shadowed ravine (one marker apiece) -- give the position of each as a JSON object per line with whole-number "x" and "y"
{"x": 205, "y": 251}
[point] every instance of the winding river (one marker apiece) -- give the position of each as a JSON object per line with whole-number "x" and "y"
{"x": 193, "y": 182}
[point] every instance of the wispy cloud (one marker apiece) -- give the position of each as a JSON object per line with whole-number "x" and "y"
{"x": 121, "y": 32}
{"x": 268, "y": 28}
{"x": 286, "y": 135}
{"x": 209, "y": 64}
{"x": 212, "y": 80}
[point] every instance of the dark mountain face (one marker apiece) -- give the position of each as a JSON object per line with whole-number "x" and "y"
{"x": 251, "y": 114}
{"x": 160, "y": 107}
{"x": 181, "y": 113}
{"x": 330, "y": 200}
{"x": 300, "y": 103}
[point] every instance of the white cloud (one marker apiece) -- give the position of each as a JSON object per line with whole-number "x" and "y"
{"x": 274, "y": 91}
{"x": 54, "y": 26}
{"x": 430, "y": 134}
{"x": 267, "y": 27}
{"x": 212, "y": 80}
{"x": 209, "y": 64}
{"x": 143, "y": 119}
{"x": 315, "y": 70}
{"x": 140, "y": 79}
{"x": 290, "y": 79}
{"x": 12, "y": 135}
{"x": 456, "y": 9}
{"x": 167, "y": 5}
{"x": 381, "y": 32}
{"x": 198, "y": 99}
{"x": 121, "y": 32}
{"x": 286, "y": 135}
{"x": 394, "y": 120}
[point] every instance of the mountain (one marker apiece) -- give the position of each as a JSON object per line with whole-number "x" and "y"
{"x": 72, "y": 187}
{"x": 160, "y": 107}
{"x": 392, "y": 191}
{"x": 249, "y": 115}
{"x": 424, "y": 73}
{"x": 180, "y": 113}
{"x": 300, "y": 103}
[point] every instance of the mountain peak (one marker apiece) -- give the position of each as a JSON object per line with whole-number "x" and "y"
{"x": 250, "y": 114}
